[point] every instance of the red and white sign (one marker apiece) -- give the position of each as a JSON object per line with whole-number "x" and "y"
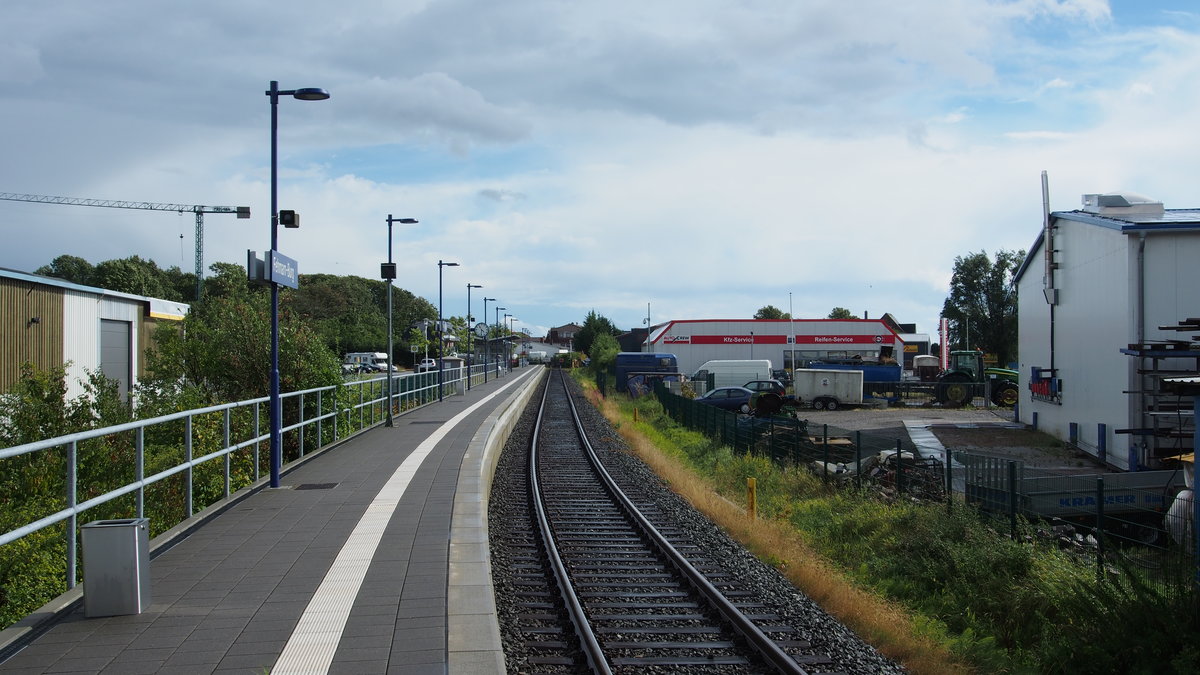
{"x": 783, "y": 339}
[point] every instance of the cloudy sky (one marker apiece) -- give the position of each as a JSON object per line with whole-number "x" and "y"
{"x": 704, "y": 157}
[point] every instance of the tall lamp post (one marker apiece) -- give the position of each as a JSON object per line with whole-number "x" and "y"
{"x": 469, "y": 331}
{"x": 441, "y": 330}
{"x": 498, "y": 310}
{"x": 487, "y": 342}
{"x": 307, "y": 94}
{"x": 507, "y": 332}
{"x": 388, "y": 272}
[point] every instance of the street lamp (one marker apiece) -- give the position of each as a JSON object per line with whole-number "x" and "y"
{"x": 507, "y": 358}
{"x": 498, "y": 310}
{"x": 469, "y": 331}
{"x": 307, "y": 94}
{"x": 487, "y": 343}
{"x": 441, "y": 337}
{"x": 388, "y": 272}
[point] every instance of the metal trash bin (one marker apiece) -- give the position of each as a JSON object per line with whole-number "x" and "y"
{"x": 116, "y": 567}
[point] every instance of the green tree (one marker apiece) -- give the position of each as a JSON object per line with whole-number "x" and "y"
{"x": 221, "y": 353}
{"x": 136, "y": 276}
{"x": 593, "y": 326}
{"x": 603, "y": 353}
{"x": 70, "y": 268}
{"x": 771, "y": 312}
{"x": 982, "y": 306}
{"x": 840, "y": 313}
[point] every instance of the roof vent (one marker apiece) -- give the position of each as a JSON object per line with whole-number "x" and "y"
{"x": 1121, "y": 203}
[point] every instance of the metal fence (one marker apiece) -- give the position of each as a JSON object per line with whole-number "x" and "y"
{"x": 173, "y": 465}
{"x": 1108, "y": 516}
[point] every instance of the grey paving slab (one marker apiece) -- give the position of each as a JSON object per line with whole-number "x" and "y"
{"x": 228, "y": 597}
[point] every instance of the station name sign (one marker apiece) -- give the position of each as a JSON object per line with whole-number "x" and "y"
{"x": 283, "y": 270}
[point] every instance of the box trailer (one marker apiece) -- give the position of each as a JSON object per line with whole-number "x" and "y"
{"x": 828, "y": 389}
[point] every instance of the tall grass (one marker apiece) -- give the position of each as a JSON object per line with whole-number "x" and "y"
{"x": 937, "y": 589}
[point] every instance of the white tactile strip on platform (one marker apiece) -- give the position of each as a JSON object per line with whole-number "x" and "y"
{"x": 315, "y": 639}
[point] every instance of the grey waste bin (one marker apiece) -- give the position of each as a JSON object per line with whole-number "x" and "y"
{"x": 116, "y": 567}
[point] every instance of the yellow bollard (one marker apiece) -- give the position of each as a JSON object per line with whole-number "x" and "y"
{"x": 752, "y": 498}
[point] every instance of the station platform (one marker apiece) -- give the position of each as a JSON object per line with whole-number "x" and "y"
{"x": 372, "y": 557}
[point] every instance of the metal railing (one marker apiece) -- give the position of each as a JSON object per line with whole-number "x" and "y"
{"x": 105, "y": 470}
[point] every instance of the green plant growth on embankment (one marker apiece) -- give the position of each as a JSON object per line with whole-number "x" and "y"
{"x": 997, "y": 604}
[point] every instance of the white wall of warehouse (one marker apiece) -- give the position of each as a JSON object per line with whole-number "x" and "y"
{"x": 1095, "y": 318}
{"x": 82, "y": 313}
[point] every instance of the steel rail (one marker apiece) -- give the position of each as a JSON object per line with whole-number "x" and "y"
{"x": 589, "y": 643}
{"x": 765, "y": 646}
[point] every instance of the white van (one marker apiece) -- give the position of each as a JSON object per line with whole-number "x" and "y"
{"x": 732, "y": 372}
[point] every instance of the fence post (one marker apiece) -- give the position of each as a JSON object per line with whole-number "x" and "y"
{"x": 858, "y": 458}
{"x": 187, "y": 446}
{"x": 224, "y": 447}
{"x": 825, "y": 461}
{"x": 72, "y": 557}
{"x": 140, "y": 471}
{"x": 257, "y": 434}
{"x": 949, "y": 482}
{"x": 1012, "y": 499}
{"x": 303, "y": 428}
{"x": 899, "y": 469}
{"x": 752, "y": 497}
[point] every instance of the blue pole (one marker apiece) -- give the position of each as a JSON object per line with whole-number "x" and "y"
{"x": 276, "y": 412}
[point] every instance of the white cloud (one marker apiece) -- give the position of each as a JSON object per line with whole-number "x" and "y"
{"x": 706, "y": 157}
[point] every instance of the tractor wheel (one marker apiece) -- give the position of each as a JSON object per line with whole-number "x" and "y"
{"x": 1005, "y": 395}
{"x": 955, "y": 391}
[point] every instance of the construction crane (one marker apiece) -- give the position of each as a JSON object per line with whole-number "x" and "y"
{"x": 199, "y": 210}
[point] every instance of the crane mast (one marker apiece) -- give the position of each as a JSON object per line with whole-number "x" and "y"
{"x": 198, "y": 209}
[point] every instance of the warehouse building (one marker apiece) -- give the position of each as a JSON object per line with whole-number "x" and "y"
{"x": 1103, "y": 300}
{"x": 786, "y": 343}
{"x": 50, "y": 322}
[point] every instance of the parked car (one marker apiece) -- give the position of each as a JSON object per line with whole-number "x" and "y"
{"x": 773, "y": 386}
{"x": 783, "y": 376}
{"x": 427, "y": 365}
{"x": 728, "y": 398}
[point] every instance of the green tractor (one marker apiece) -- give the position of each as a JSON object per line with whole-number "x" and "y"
{"x": 955, "y": 388}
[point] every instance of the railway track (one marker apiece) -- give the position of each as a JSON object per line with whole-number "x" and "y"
{"x": 603, "y": 581}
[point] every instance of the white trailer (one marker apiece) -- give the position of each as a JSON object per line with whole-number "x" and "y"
{"x": 828, "y": 389}
{"x": 374, "y": 360}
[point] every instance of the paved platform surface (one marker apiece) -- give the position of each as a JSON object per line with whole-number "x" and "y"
{"x": 371, "y": 558}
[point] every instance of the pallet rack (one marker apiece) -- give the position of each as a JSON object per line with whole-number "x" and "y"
{"x": 1168, "y": 424}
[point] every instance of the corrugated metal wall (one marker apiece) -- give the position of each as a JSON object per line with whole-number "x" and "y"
{"x": 20, "y": 341}
{"x": 81, "y": 343}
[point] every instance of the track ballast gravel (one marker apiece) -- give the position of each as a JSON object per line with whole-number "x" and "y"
{"x": 846, "y": 651}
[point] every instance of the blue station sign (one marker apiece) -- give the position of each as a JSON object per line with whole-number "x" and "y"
{"x": 282, "y": 270}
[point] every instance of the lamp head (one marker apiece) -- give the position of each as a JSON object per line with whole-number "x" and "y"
{"x": 311, "y": 94}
